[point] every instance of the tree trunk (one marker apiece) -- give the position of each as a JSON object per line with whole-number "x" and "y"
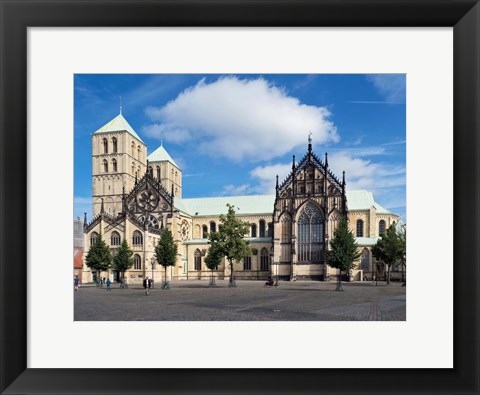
{"x": 388, "y": 274}
{"x": 339, "y": 282}
{"x": 165, "y": 275}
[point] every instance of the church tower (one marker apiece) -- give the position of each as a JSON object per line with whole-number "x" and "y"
{"x": 118, "y": 160}
{"x": 163, "y": 168}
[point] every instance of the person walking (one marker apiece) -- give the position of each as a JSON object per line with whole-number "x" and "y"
{"x": 108, "y": 284}
{"x": 76, "y": 282}
{"x": 147, "y": 284}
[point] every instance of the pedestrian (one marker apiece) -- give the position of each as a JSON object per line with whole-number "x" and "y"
{"x": 108, "y": 284}
{"x": 76, "y": 282}
{"x": 147, "y": 284}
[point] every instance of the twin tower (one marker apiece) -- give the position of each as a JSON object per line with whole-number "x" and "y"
{"x": 119, "y": 159}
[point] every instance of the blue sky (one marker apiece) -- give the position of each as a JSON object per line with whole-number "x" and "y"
{"x": 231, "y": 134}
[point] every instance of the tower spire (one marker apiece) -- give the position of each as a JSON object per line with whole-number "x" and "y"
{"x": 309, "y": 142}
{"x": 326, "y": 159}
{"x": 276, "y": 187}
{"x": 85, "y": 221}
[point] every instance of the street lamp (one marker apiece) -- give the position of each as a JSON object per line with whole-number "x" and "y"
{"x": 153, "y": 265}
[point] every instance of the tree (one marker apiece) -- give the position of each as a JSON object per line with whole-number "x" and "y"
{"x": 388, "y": 249}
{"x": 213, "y": 260}
{"x": 229, "y": 242}
{"x": 402, "y": 237}
{"x": 99, "y": 257}
{"x": 166, "y": 253}
{"x": 343, "y": 250}
{"x": 123, "y": 259}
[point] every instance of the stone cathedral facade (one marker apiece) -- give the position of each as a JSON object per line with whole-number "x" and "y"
{"x": 136, "y": 196}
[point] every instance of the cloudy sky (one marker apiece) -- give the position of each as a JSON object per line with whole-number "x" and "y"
{"x": 232, "y": 134}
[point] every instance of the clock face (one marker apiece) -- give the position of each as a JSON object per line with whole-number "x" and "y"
{"x": 147, "y": 200}
{"x": 150, "y": 221}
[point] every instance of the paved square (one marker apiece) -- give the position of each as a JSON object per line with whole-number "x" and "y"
{"x": 250, "y": 301}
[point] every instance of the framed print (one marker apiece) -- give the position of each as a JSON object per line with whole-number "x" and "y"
{"x": 47, "y": 48}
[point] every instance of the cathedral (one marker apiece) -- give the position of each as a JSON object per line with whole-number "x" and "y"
{"x": 136, "y": 196}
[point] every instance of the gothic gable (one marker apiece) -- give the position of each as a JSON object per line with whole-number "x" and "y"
{"x": 148, "y": 204}
{"x": 310, "y": 177}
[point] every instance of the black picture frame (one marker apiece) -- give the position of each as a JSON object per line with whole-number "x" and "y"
{"x": 18, "y": 15}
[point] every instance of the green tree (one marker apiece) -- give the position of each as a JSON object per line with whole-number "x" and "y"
{"x": 229, "y": 241}
{"x": 343, "y": 250}
{"x": 166, "y": 253}
{"x": 213, "y": 260}
{"x": 388, "y": 249}
{"x": 402, "y": 237}
{"x": 123, "y": 259}
{"x": 99, "y": 257}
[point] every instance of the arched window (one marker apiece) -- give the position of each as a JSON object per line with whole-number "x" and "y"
{"x": 139, "y": 150}
{"x": 114, "y": 165}
{"x": 247, "y": 263}
{"x": 254, "y": 230}
{"x": 137, "y": 238}
{"x": 133, "y": 168}
{"x": 213, "y": 227}
{"x": 114, "y": 145}
{"x": 204, "y": 231}
{"x": 198, "y": 260}
{"x": 310, "y": 234}
{"x": 137, "y": 262}
{"x": 262, "y": 228}
{"x": 105, "y": 146}
{"x": 150, "y": 171}
{"x": 93, "y": 238}
{"x": 270, "y": 230}
{"x": 158, "y": 172}
{"x": 105, "y": 166}
{"x": 264, "y": 259}
{"x": 365, "y": 259}
{"x": 133, "y": 149}
{"x": 115, "y": 239}
{"x": 360, "y": 228}
{"x": 381, "y": 227}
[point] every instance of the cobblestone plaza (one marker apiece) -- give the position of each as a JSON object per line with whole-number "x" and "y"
{"x": 249, "y": 301}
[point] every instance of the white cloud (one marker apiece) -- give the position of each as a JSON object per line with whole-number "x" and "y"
{"x": 391, "y": 86}
{"x": 265, "y": 177}
{"x": 232, "y": 190}
{"x": 240, "y": 119}
{"x": 386, "y": 181}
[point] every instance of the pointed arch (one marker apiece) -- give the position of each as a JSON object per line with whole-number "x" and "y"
{"x": 114, "y": 145}
{"x": 105, "y": 145}
{"x": 93, "y": 238}
{"x": 264, "y": 259}
{"x": 114, "y": 165}
{"x": 137, "y": 262}
{"x": 365, "y": 259}
{"x": 310, "y": 228}
{"x": 115, "y": 239}
{"x": 197, "y": 262}
{"x": 137, "y": 238}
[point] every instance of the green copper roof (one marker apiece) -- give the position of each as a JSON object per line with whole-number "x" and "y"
{"x": 118, "y": 124}
{"x": 254, "y": 204}
{"x": 366, "y": 241}
{"x": 262, "y": 204}
{"x": 363, "y": 200}
{"x": 161, "y": 155}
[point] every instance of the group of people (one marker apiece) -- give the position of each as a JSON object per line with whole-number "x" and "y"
{"x": 147, "y": 284}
